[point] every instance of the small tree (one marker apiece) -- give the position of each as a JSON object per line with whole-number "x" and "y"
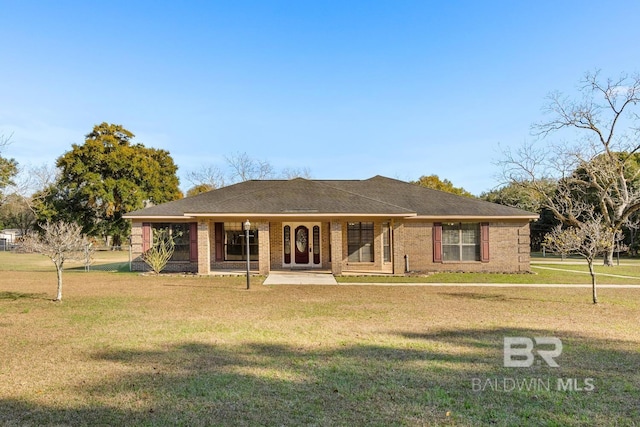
{"x": 160, "y": 252}
{"x": 589, "y": 238}
{"x": 59, "y": 241}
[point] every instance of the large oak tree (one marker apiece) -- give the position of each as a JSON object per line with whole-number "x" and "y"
{"x": 106, "y": 177}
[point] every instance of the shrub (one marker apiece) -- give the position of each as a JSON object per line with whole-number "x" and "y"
{"x": 160, "y": 252}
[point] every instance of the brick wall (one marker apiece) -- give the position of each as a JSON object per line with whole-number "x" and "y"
{"x": 264, "y": 246}
{"x": 508, "y": 249}
{"x": 337, "y": 248}
{"x": 276, "y": 237}
{"x": 418, "y": 245}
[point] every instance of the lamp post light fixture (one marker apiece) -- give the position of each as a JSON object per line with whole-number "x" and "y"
{"x": 247, "y": 226}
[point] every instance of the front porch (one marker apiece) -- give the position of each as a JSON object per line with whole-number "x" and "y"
{"x": 296, "y": 245}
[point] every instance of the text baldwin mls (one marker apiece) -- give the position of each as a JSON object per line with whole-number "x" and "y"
{"x": 512, "y": 384}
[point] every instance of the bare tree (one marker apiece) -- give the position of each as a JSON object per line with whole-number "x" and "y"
{"x": 209, "y": 176}
{"x": 602, "y": 166}
{"x": 632, "y": 227}
{"x": 59, "y": 241}
{"x": 290, "y": 173}
{"x": 245, "y": 168}
{"x": 590, "y": 238}
{"x": 33, "y": 184}
{"x": 240, "y": 167}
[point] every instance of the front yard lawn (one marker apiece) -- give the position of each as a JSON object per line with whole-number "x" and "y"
{"x": 125, "y": 349}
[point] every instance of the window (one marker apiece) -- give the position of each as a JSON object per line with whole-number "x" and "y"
{"x": 461, "y": 242}
{"x": 181, "y": 235}
{"x": 386, "y": 242}
{"x": 360, "y": 241}
{"x": 287, "y": 244}
{"x": 234, "y": 242}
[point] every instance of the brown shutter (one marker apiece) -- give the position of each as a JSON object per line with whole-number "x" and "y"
{"x": 219, "y": 232}
{"x": 484, "y": 242}
{"x": 146, "y": 236}
{"x": 193, "y": 241}
{"x": 437, "y": 242}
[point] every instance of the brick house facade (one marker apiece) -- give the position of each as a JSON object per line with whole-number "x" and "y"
{"x": 376, "y": 225}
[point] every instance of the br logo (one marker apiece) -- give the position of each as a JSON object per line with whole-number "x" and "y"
{"x": 519, "y": 351}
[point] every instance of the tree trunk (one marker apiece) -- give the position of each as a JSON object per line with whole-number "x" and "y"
{"x": 608, "y": 257}
{"x": 116, "y": 242}
{"x": 59, "y": 272}
{"x": 594, "y": 293}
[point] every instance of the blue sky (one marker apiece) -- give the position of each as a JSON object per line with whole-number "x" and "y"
{"x": 348, "y": 89}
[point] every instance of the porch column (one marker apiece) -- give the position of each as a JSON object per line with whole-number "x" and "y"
{"x": 264, "y": 245}
{"x": 336, "y": 247}
{"x": 204, "y": 251}
{"x": 136, "y": 239}
{"x": 398, "y": 247}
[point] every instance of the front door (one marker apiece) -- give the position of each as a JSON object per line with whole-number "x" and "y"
{"x": 301, "y": 245}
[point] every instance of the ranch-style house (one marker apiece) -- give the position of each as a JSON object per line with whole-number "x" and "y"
{"x": 377, "y": 225}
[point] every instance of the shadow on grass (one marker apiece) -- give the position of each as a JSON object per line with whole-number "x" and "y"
{"x": 414, "y": 382}
{"x": 112, "y": 267}
{"x": 481, "y": 296}
{"x": 8, "y": 295}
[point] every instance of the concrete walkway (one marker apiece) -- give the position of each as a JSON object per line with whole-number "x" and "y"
{"x": 300, "y": 278}
{"x": 325, "y": 278}
{"x": 314, "y": 277}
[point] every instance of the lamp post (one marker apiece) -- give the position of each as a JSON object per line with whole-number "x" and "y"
{"x": 247, "y": 226}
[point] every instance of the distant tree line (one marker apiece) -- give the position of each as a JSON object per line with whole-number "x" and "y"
{"x": 591, "y": 182}
{"x": 95, "y": 183}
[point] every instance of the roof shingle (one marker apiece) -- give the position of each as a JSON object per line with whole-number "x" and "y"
{"x": 375, "y": 196}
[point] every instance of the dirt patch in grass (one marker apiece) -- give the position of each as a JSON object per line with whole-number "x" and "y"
{"x": 125, "y": 349}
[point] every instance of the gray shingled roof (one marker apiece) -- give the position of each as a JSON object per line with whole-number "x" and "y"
{"x": 375, "y": 196}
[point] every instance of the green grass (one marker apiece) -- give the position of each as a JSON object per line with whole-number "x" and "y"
{"x": 127, "y": 349}
{"x": 102, "y": 260}
{"x": 545, "y": 270}
{"x": 542, "y": 274}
